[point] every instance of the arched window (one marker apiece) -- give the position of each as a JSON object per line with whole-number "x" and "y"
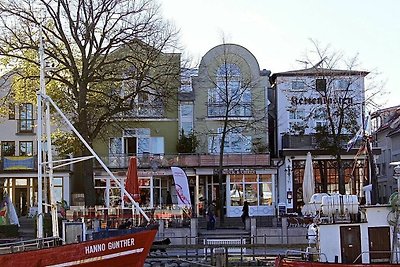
{"x": 229, "y": 93}
{"x": 228, "y": 70}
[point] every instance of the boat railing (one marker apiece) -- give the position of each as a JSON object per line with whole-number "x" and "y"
{"x": 388, "y": 252}
{"x": 309, "y": 255}
{"x": 32, "y": 244}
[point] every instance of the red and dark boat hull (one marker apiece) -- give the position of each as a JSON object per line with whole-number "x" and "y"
{"x": 130, "y": 249}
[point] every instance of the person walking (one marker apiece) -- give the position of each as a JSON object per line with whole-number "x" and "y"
{"x": 245, "y": 213}
{"x": 211, "y": 216}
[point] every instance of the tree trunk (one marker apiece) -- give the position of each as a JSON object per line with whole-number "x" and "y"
{"x": 221, "y": 190}
{"x": 83, "y": 180}
{"x": 342, "y": 181}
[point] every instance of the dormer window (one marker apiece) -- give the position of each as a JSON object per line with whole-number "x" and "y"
{"x": 320, "y": 85}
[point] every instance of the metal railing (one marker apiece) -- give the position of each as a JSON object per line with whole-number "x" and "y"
{"x": 199, "y": 250}
{"x": 33, "y": 244}
{"x": 154, "y": 161}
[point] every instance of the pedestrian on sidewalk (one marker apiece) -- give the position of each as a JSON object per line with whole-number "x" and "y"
{"x": 245, "y": 213}
{"x": 211, "y": 216}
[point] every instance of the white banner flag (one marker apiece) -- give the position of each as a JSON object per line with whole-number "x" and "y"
{"x": 181, "y": 186}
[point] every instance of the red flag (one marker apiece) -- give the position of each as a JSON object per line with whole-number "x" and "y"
{"x": 132, "y": 180}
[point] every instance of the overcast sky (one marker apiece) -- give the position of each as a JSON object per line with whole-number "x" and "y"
{"x": 278, "y": 32}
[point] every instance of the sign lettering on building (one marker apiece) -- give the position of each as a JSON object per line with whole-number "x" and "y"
{"x": 319, "y": 100}
{"x": 236, "y": 171}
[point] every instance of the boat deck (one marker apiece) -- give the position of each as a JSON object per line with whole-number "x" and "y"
{"x": 27, "y": 245}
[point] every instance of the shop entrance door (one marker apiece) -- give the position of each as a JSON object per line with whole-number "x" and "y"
{"x": 213, "y": 193}
{"x": 21, "y": 201}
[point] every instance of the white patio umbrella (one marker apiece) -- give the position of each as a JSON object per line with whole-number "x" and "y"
{"x": 308, "y": 182}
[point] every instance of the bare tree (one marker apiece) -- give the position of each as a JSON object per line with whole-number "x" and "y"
{"x": 237, "y": 102}
{"x": 107, "y": 57}
{"x": 334, "y": 94}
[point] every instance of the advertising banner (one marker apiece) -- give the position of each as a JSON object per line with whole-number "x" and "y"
{"x": 181, "y": 186}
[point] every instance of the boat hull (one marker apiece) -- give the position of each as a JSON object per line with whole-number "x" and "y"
{"x": 284, "y": 262}
{"x": 129, "y": 249}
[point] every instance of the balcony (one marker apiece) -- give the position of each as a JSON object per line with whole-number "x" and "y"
{"x": 25, "y": 163}
{"x": 310, "y": 142}
{"x": 298, "y": 142}
{"x": 18, "y": 163}
{"x": 155, "y": 161}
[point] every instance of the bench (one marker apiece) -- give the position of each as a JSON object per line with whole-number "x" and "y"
{"x": 225, "y": 244}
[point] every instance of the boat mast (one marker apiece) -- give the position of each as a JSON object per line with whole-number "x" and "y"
{"x": 44, "y": 167}
{"x": 39, "y": 137}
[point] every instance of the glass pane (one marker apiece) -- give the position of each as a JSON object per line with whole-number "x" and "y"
{"x": 144, "y": 182}
{"x": 265, "y": 194}
{"x": 236, "y": 178}
{"x": 250, "y": 178}
{"x": 21, "y": 182}
{"x": 143, "y": 131}
{"x": 116, "y": 145}
{"x": 251, "y": 194}
{"x": 57, "y": 181}
{"x": 144, "y": 197}
{"x": 187, "y": 111}
{"x": 25, "y": 148}
{"x": 265, "y": 178}
{"x": 58, "y": 194}
{"x": 187, "y": 127}
{"x": 143, "y": 145}
{"x": 236, "y": 194}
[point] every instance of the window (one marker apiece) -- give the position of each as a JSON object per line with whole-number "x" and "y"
{"x": 186, "y": 79}
{"x": 228, "y": 70}
{"x": 115, "y": 145}
{"x": 186, "y": 118}
{"x": 320, "y": 84}
{"x": 229, "y": 94}
{"x": 58, "y": 189}
{"x": 25, "y": 148}
{"x": 298, "y": 85}
{"x": 256, "y": 189}
{"x": 342, "y": 84}
{"x": 157, "y": 145}
{"x": 136, "y": 141}
{"x": 297, "y": 114}
{"x": 320, "y": 124}
{"x": 7, "y": 148}
{"x": 26, "y": 118}
{"x": 320, "y": 118}
{"x": 265, "y": 189}
{"x": 235, "y": 142}
{"x": 147, "y": 103}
